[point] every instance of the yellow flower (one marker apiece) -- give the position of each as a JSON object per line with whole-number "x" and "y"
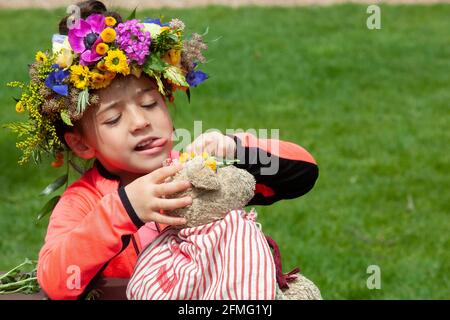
{"x": 41, "y": 57}
{"x": 79, "y": 76}
{"x": 101, "y": 65}
{"x": 101, "y": 48}
{"x": 108, "y": 35}
{"x": 211, "y": 163}
{"x": 97, "y": 77}
{"x": 116, "y": 61}
{"x": 101, "y": 84}
{"x": 165, "y": 28}
{"x": 19, "y": 107}
{"x": 173, "y": 57}
{"x": 184, "y": 156}
{"x": 64, "y": 58}
{"x": 110, "y": 21}
{"x": 100, "y": 80}
{"x": 205, "y": 155}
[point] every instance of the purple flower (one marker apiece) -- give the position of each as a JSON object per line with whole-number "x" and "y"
{"x": 55, "y": 79}
{"x": 133, "y": 40}
{"x": 195, "y": 77}
{"x": 85, "y": 38}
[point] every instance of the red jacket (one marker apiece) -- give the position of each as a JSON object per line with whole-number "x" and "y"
{"x": 93, "y": 230}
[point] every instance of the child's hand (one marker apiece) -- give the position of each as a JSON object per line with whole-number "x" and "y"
{"x": 215, "y": 144}
{"x": 146, "y": 195}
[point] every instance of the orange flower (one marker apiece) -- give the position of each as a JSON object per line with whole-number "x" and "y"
{"x": 108, "y": 35}
{"x": 110, "y": 75}
{"x": 101, "y": 48}
{"x": 101, "y": 65}
{"x": 110, "y": 21}
{"x": 57, "y": 163}
{"x": 97, "y": 77}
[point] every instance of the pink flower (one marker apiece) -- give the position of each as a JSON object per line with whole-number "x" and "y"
{"x": 133, "y": 40}
{"x": 85, "y": 38}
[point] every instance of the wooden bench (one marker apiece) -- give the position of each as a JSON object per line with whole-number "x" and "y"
{"x": 108, "y": 288}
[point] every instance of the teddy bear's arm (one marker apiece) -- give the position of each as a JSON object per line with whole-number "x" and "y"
{"x": 282, "y": 170}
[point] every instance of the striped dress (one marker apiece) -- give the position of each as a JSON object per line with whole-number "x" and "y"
{"x": 228, "y": 259}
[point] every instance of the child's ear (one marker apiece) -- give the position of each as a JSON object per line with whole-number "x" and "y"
{"x": 78, "y": 145}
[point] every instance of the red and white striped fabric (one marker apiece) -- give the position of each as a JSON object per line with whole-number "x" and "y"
{"x": 227, "y": 259}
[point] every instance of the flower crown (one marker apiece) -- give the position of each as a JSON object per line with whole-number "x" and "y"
{"x": 93, "y": 53}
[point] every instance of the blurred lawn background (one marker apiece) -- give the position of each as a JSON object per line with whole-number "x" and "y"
{"x": 372, "y": 106}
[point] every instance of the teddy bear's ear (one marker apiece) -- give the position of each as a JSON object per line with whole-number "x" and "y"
{"x": 202, "y": 177}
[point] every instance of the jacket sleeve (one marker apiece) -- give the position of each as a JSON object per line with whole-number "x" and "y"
{"x": 84, "y": 233}
{"x": 282, "y": 170}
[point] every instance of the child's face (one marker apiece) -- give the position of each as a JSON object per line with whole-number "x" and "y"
{"x": 131, "y": 112}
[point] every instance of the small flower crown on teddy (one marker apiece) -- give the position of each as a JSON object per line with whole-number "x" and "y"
{"x": 208, "y": 161}
{"x": 93, "y": 53}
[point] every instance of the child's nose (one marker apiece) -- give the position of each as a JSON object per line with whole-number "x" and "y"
{"x": 138, "y": 121}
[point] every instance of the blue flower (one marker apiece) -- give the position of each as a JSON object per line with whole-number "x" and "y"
{"x": 195, "y": 77}
{"x": 155, "y": 21}
{"x": 55, "y": 80}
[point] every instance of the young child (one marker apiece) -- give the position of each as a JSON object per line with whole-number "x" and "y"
{"x": 113, "y": 93}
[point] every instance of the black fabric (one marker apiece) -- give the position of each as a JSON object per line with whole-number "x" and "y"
{"x": 129, "y": 208}
{"x": 105, "y": 173}
{"x": 293, "y": 179}
{"x": 135, "y": 245}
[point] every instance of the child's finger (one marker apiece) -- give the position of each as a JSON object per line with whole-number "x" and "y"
{"x": 159, "y": 175}
{"x": 169, "y": 188}
{"x": 212, "y": 148}
{"x": 172, "y": 204}
{"x": 165, "y": 219}
{"x": 200, "y": 144}
{"x": 195, "y": 144}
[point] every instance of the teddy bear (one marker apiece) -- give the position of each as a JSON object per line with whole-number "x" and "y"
{"x": 207, "y": 244}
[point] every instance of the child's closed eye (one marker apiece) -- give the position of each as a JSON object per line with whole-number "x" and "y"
{"x": 149, "y": 105}
{"x": 113, "y": 121}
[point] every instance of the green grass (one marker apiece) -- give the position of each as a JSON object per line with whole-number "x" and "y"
{"x": 373, "y": 108}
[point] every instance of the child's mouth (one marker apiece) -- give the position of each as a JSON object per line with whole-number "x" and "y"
{"x": 154, "y": 144}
